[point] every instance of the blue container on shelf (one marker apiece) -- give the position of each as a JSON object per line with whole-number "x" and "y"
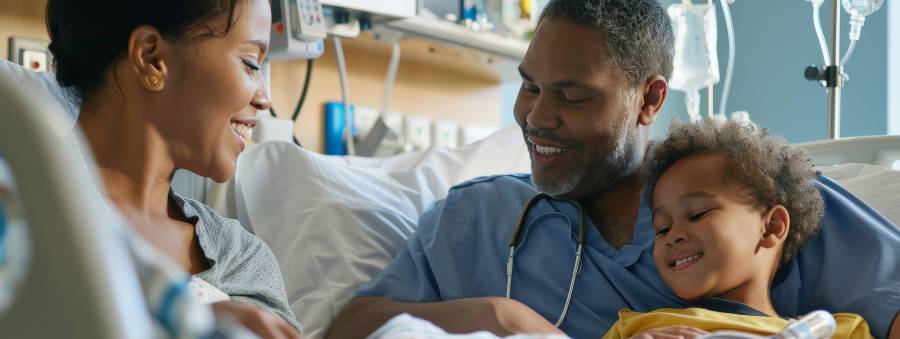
{"x": 335, "y": 121}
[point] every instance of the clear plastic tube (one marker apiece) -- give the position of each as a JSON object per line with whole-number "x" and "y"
{"x": 819, "y": 33}
{"x": 389, "y": 78}
{"x": 692, "y": 103}
{"x": 345, "y": 93}
{"x": 816, "y": 325}
{"x": 729, "y": 72}
{"x": 849, "y": 53}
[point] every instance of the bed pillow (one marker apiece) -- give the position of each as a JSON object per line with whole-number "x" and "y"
{"x": 335, "y": 222}
{"x": 876, "y": 185}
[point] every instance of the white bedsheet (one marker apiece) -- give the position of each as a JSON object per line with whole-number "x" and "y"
{"x": 405, "y": 326}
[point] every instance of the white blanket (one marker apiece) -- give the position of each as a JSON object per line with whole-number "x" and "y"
{"x": 405, "y": 326}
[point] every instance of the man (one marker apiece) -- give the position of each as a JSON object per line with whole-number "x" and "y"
{"x": 594, "y": 78}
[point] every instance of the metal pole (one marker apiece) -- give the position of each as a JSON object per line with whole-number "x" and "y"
{"x": 836, "y": 79}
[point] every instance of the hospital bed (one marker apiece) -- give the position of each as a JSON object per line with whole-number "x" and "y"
{"x": 335, "y": 222}
{"x": 78, "y": 281}
{"x": 332, "y": 222}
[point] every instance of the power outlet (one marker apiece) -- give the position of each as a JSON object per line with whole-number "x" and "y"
{"x": 32, "y": 54}
{"x": 445, "y": 134}
{"x": 417, "y": 130}
{"x": 365, "y": 118}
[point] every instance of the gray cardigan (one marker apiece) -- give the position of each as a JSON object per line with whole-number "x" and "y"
{"x": 241, "y": 265}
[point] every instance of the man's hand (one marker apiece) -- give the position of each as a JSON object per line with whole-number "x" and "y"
{"x": 498, "y": 315}
{"x": 505, "y": 317}
{"x": 262, "y": 323}
{"x": 674, "y": 332}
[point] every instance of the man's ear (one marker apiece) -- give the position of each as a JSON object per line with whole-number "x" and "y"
{"x": 145, "y": 49}
{"x": 654, "y": 92}
{"x": 777, "y": 223}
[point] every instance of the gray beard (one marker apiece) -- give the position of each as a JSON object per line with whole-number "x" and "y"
{"x": 616, "y": 167}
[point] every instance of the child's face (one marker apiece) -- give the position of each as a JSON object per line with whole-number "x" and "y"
{"x": 707, "y": 233}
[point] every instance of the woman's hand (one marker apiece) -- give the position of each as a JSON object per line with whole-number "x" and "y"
{"x": 674, "y": 332}
{"x": 262, "y": 323}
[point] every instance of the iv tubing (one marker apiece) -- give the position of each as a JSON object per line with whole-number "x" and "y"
{"x": 729, "y": 26}
{"x": 345, "y": 94}
{"x": 819, "y": 33}
{"x": 848, "y": 53}
{"x": 389, "y": 79}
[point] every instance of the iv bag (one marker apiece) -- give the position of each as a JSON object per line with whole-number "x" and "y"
{"x": 696, "y": 63}
{"x": 862, "y": 7}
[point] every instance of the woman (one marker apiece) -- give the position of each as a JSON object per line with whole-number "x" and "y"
{"x": 167, "y": 85}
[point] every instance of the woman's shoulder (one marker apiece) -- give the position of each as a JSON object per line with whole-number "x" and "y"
{"x": 216, "y": 233}
{"x": 194, "y": 209}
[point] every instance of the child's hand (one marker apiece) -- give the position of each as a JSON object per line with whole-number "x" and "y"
{"x": 674, "y": 332}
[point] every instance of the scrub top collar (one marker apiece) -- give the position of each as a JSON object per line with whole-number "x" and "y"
{"x": 642, "y": 236}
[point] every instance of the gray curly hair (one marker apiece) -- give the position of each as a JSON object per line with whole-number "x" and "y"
{"x": 772, "y": 171}
{"x": 639, "y": 34}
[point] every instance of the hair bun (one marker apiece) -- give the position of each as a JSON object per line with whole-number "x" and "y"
{"x": 62, "y": 63}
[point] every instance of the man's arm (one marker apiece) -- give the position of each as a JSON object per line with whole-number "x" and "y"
{"x": 498, "y": 315}
{"x": 894, "y": 332}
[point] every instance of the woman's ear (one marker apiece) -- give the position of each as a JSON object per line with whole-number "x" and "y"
{"x": 777, "y": 223}
{"x": 145, "y": 50}
{"x": 653, "y": 93}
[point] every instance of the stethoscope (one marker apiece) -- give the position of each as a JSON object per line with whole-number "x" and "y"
{"x": 514, "y": 242}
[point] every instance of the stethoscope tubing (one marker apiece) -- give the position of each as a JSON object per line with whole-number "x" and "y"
{"x": 514, "y": 243}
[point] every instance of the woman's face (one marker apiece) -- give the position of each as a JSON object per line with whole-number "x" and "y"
{"x": 213, "y": 90}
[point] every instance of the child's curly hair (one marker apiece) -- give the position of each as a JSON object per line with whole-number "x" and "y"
{"x": 772, "y": 171}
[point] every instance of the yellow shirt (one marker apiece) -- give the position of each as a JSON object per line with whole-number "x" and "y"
{"x": 849, "y": 326}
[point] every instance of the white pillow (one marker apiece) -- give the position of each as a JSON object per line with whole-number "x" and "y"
{"x": 876, "y": 185}
{"x": 335, "y": 222}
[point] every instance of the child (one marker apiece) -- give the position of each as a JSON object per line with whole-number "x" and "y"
{"x": 730, "y": 204}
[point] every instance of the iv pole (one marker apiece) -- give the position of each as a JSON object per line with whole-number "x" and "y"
{"x": 833, "y": 74}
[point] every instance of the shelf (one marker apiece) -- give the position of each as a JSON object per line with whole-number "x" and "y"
{"x": 380, "y": 10}
{"x": 454, "y": 34}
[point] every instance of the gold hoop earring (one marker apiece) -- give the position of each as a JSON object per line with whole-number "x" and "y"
{"x": 154, "y": 83}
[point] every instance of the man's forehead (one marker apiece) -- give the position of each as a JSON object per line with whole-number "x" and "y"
{"x": 566, "y": 49}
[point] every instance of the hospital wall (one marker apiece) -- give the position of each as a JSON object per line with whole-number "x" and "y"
{"x": 432, "y": 81}
{"x": 23, "y": 18}
{"x": 893, "y": 74}
{"x": 775, "y": 42}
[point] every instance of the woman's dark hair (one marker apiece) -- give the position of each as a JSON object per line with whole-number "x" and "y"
{"x": 89, "y": 36}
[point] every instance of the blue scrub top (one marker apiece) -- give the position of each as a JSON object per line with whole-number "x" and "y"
{"x": 462, "y": 244}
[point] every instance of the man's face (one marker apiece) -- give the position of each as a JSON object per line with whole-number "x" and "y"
{"x": 577, "y": 111}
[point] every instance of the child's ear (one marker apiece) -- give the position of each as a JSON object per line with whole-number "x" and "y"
{"x": 777, "y": 223}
